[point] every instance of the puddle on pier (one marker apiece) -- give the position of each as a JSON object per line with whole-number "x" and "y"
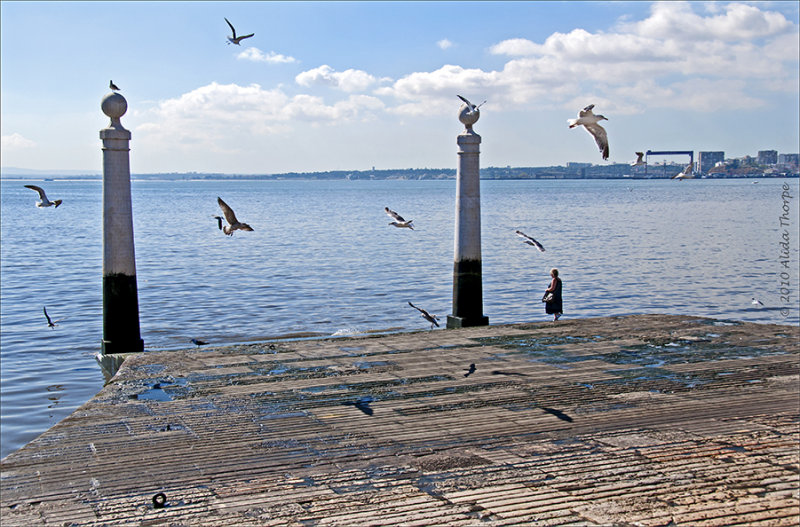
{"x": 166, "y": 389}
{"x": 655, "y": 353}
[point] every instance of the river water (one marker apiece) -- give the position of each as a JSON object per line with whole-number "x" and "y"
{"x": 323, "y": 261}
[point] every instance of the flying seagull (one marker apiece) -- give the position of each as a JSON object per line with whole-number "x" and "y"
{"x": 399, "y": 221}
{"x": 219, "y": 221}
{"x": 112, "y": 86}
{"x": 639, "y": 161}
{"x": 472, "y": 107}
{"x": 230, "y": 217}
{"x": 686, "y": 173}
{"x": 530, "y": 241}
{"x": 198, "y": 342}
{"x": 590, "y": 122}
{"x": 427, "y": 316}
{"x": 234, "y": 39}
{"x": 44, "y": 202}
{"x": 757, "y": 302}
{"x": 50, "y": 322}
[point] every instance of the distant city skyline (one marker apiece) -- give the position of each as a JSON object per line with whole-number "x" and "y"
{"x": 351, "y": 85}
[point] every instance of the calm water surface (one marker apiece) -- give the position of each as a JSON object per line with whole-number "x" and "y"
{"x": 324, "y": 260}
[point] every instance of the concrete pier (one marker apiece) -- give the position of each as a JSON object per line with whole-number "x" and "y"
{"x": 120, "y": 295}
{"x": 647, "y": 420}
{"x": 467, "y": 270}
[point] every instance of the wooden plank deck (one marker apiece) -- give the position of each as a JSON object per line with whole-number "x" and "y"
{"x": 649, "y": 420}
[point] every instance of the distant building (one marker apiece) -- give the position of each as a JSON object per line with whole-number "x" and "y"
{"x": 614, "y": 170}
{"x": 571, "y": 165}
{"x": 767, "y": 157}
{"x": 708, "y": 160}
{"x": 789, "y": 159}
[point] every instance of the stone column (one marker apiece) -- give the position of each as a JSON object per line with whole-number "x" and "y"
{"x": 120, "y": 295}
{"x": 467, "y": 275}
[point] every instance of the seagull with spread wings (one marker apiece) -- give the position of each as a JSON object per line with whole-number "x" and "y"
{"x": 50, "y": 322}
{"x": 234, "y": 39}
{"x": 433, "y": 319}
{"x": 43, "y": 201}
{"x": 686, "y": 173}
{"x": 230, "y": 217}
{"x": 472, "y": 107}
{"x": 589, "y": 121}
{"x": 530, "y": 241}
{"x": 399, "y": 221}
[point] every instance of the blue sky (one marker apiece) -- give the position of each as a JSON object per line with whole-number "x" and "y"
{"x": 352, "y": 85}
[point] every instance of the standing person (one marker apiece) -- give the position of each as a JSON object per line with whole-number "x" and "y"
{"x": 553, "y": 305}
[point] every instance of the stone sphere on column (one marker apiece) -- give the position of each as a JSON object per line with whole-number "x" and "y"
{"x": 114, "y": 105}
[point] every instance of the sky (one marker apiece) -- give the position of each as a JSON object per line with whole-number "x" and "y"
{"x": 355, "y": 85}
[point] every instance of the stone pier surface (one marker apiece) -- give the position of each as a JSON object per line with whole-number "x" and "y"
{"x": 649, "y": 420}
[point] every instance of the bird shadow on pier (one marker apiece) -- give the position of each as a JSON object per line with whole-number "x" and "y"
{"x": 558, "y": 413}
{"x": 361, "y": 404}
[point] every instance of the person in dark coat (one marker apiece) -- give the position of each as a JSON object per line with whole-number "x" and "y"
{"x": 554, "y": 305}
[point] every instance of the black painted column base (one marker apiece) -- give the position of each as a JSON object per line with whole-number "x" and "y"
{"x": 454, "y": 322}
{"x": 120, "y": 315}
{"x": 467, "y": 296}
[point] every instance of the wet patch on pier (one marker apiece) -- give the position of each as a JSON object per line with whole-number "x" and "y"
{"x": 654, "y": 352}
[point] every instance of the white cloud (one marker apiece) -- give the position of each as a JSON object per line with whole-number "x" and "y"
{"x": 256, "y": 55}
{"x": 220, "y": 117}
{"x": 730, "y": 57}
{"x": 350, "y": 80}
{"x": 515, "y": 47}
{"x": 738, "y": 22}
{"x": 16, "y": 141}
{"x": 444, "y": 44}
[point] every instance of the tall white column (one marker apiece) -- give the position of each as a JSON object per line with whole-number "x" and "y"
{"x": 120, "y": 296}
{"x": 467, "y": 273}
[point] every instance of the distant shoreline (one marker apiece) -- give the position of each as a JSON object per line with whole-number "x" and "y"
{"x": 487, "y": 174}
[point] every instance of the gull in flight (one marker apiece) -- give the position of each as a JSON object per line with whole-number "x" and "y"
{"x": 234, "y": 39}
{"x": 530, "y": 241}
{"x": 590, "y": 121}
{"x": 112, "y": 86}
{"x": 398, "y": 219}
{"x": 44, "y": 202}
{"x": 427, "y": 316}
{"x": 230, "y": 217}
{"x": 50, "y": 322}
{"x": 472, "y": 107}
{"x": 757, "y": 302}
{"x": 686, "y": 173}
{"x": 219, "y": 221}
{"x": 639, "y": 161}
